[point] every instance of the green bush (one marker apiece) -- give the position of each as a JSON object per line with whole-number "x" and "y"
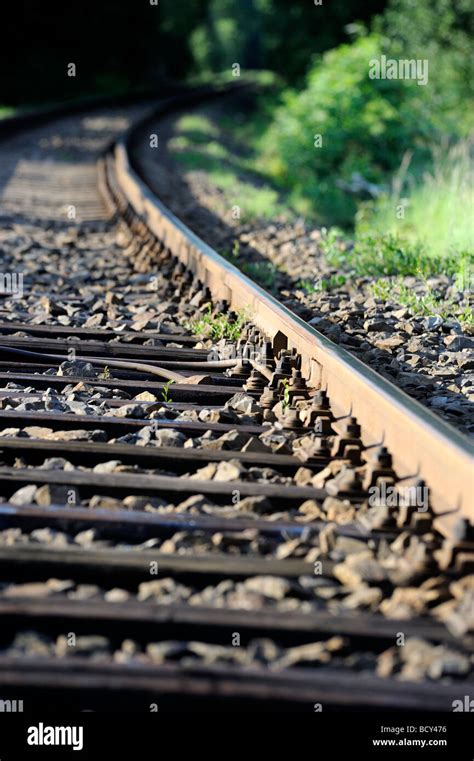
{"x": 367, "y": 125}
{"x": 436, "y": 30}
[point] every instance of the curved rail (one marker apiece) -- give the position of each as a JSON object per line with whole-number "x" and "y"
{"x": 422, "y": 445}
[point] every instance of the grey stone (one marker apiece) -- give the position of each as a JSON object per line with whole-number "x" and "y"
{"x": 24, "y": 496}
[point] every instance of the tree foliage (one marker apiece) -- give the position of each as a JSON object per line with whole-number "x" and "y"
{"x": 368, "y": 125}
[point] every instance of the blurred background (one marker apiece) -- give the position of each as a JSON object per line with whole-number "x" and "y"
{"x": 119, "y": 44}
{"x": 384, "y": 141}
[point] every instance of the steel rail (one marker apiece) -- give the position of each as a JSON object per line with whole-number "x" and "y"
{"x": 421, "y": 444}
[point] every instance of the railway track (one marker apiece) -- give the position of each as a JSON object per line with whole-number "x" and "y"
{"x": 205, "y": 503}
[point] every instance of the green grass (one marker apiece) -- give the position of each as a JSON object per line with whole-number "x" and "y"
{"x": 437, "y": 210}
{"x": 200, "y": 145}
{"x": 217, "y": 326}
{"x": 198, "y": 124}
{"x": 6, "y": 111}
{"x": 384, "y": 254}
{"x": 389, "y": 258}
{"x": 262, "y": 77}
{"x": 322, "y": 284}
{"x": 428, "y": 304}
{"x": 264, "y": 273}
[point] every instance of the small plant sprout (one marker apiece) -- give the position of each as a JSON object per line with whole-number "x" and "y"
{"x": 320, "y": 284}
{"x": 165, "y": 391}
{"x": 217, "y": 326}
{"x": 285, "y": 383}
{"x": 105, "y": 374}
